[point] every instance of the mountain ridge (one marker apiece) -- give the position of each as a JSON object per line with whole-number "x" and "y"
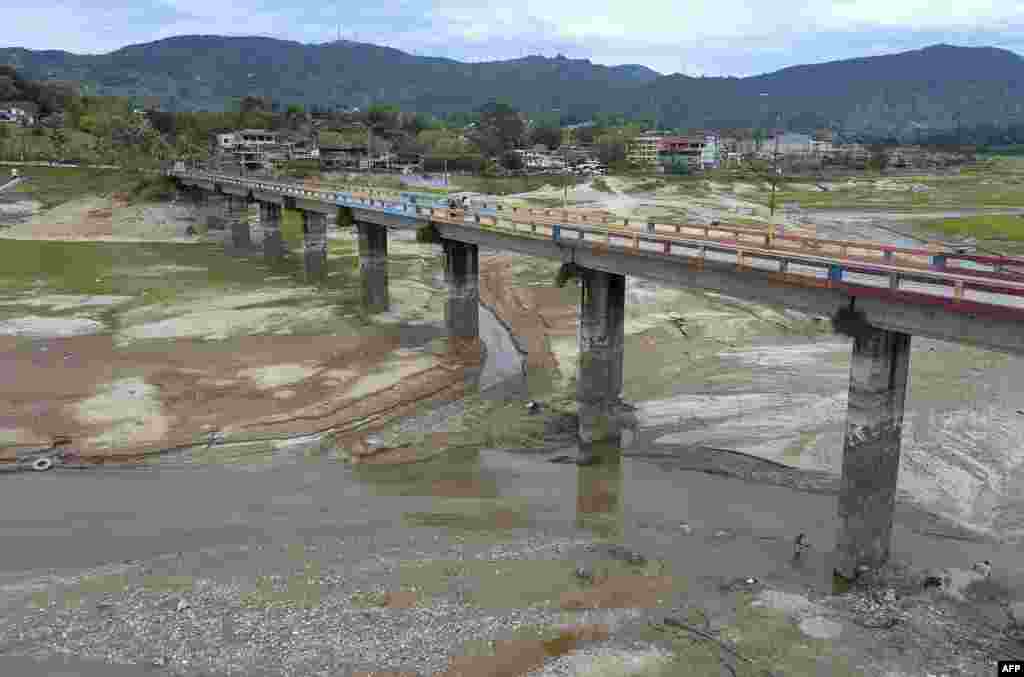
{"x": 890, "y": 93}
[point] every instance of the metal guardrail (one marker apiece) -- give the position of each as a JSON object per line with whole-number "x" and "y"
{"x": 999, "y": 288}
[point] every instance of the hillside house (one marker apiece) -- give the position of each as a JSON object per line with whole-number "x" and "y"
{"x": 539, "y": 159}
{"x": 642, "y": 151}
{"x": 347, "y": 156}
{"x": 710, "y": 154}
{"x": 681, "y": 153}
{"x": 258, "y": 147}
{"x": 789, "y": 143}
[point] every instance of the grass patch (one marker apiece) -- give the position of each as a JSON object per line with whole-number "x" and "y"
{"x": 767, "y": 640}
{"x": 291, "y": 228}
{"x": 81, "y": 267}
{"x": 647, "y": 186}
{"x": 601, "y": 185}
{"x": 149, "y": 188}
{"x": 79, "y": 146}
{"x": 473, "y": 515}
{"x": 55, "y": 185}
{"x": 302, "y": 590}
{"x": 982, "y": 227}
{"x": 519, "y": 584}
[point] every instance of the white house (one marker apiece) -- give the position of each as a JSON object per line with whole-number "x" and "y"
{"x": 789, "y": 143}
{"x": 710, "y": 154}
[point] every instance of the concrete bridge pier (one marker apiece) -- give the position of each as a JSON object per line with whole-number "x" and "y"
{"x": 241, "y": 235}
{"x": 462, "y": 308}
{"x": 601, "y": 339}
{"x": 270, "y": 224}
{"x": 252, "y": 214}
{"x": 373, "y": 265}
{"x": 871, "y": 451}
{"x": 314, "y": 239}
{"x": 215, "y": 210}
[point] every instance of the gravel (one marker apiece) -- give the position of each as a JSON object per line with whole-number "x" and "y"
{"x": 216, "y": 628}
{"x": 603, "y": 660}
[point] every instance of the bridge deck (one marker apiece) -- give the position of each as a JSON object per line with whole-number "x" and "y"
{"x": 946, "y": 295}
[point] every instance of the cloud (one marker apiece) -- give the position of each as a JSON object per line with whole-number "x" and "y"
{"x": 724, "y": 37}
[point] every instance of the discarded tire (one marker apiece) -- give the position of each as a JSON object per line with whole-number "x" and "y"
{"x": 41, "y": 464}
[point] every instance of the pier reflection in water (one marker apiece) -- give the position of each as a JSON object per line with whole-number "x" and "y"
{"x": 599, "y": 490}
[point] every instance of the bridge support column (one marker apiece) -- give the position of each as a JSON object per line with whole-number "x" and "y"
{"x": 314, "y": 239}
{"x": 241, "y": 234}
{"x": 373, "y": 265}
{"x": 215, "y": 211}
{"x": 462, "y": 309}
{"x": 255, "y": 222}
{"x": 871, "y": 451}
{"x": 601, "y": 339}
{"x": 270, "y": 223}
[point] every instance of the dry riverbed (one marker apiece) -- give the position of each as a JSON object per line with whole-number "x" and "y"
{"x": 311, "y": 544}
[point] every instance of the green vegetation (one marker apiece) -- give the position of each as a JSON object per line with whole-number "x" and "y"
{"x": 55, "y": 185}
{"x": 22, "y": 142}
{"x": 647, "y": 186}
{"x": 990, "y": 184}
{"x": 982, "y": 227}
{"x": 515, "y": 583}
{"x": 291, "y": 227}
{"x": 767, "y": 640}
{"x": 150, "y": 188}
{"x": 601, "y": 185}
{"x": 301, "y": 169}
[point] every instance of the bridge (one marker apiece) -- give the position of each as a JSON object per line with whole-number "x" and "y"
{"x": 878, "y": 294}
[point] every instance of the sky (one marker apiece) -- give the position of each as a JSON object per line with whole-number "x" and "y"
{"x": 699, "y": 37}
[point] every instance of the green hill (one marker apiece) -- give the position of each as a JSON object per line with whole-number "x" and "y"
{"x": 890, "y": 94}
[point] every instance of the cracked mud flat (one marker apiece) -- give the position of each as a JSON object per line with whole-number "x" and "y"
{"x": 126, "y": 374}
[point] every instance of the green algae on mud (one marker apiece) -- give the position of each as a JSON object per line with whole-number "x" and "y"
{"x": 303, "y": 590}
{"x": 765, "y": 640}
{"x": 523, "y": 583}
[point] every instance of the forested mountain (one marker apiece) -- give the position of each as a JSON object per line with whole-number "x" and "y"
{"x": 930, "y": 88}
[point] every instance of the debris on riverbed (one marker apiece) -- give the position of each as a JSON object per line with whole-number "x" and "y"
{"x": 45, "y": 458}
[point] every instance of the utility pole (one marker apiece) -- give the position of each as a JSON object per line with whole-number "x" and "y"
{"x": 775, "y": 167}
{"x": 565, "y": 179}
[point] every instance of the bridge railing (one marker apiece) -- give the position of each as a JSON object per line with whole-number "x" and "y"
{"x": 962, "y": 292}
{"x": 807, "y": 262}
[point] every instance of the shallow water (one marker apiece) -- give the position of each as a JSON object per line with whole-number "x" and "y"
{"x": 746, "y": 378}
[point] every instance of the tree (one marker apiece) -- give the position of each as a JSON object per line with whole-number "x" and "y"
{"x": 500, "y": 128}
{"x": 585, "y": 135}
{"x": 253, "y": 104}
{"x": 549, "y": 136}
{"x": 611, "y": 149}
{"x": 442, "y": 142}
{"x": 162, "y": 122}
{"x": 512, "y": 160}
{"x": 383, "y": 116}
{"x": 878, "y": 158}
